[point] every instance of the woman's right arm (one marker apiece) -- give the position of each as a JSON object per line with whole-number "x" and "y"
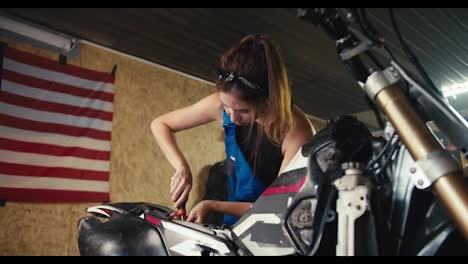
{"x": 164, "y": 128}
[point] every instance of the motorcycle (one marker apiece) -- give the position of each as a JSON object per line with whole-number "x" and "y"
{"x": 345, "y": 193}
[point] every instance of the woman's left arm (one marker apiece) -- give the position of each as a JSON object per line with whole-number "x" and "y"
{"x": 200, "y": 210}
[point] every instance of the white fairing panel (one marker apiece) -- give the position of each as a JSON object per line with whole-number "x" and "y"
{"x": 299, "y": 161}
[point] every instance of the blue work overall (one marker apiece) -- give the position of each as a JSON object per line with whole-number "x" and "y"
{"x": 243, "y": 186}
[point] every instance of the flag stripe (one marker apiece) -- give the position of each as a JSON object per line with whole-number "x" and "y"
{"x": 3, "y": 46}
{"x": 55, "y": 118}
{"x": 19, "y": 100}
{"x": 48, "y": 149}
{"x": 55, "y": 172}
{"x": 47, "y": 183}
{"x": 53, "y": 128}
{"x": 27, "y": 195}
{"x": 56, "y": 76}
{"x": 55, "y": 139}
{"x": 52, "y": 65}
{"x": 64, "y": 89}
{"x": 40, "y": 159}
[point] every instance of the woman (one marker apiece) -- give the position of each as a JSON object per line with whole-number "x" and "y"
{"x": 264, "y": 130}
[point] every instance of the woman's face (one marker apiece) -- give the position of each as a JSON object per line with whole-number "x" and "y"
{"x": 239, "y": 111}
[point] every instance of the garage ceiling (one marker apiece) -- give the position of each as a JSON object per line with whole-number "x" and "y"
{"x": 190, "y": 39}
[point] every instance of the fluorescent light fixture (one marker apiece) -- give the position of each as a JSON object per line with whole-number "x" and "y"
{"x": 56, "y": 40}
{"x": 455, "y": 90}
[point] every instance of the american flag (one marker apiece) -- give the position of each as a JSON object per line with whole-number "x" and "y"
{"x": 55, "y": 130}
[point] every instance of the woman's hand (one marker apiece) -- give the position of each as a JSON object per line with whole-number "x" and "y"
{"x": 181, "y": 184}
{"x": 199, "y": 212}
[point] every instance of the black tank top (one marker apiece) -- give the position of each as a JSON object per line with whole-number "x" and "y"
{"x": 269, "y": 156}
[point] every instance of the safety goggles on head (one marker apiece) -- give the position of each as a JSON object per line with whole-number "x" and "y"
{"x": 232, "y": 77}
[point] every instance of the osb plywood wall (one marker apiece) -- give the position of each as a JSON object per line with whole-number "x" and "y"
{"x": 139, "y": 171}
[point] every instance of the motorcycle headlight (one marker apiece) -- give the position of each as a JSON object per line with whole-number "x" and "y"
{"x": 300, "y": 223}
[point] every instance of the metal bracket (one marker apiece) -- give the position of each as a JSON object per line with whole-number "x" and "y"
{"x": 360, "y": 48}
{"x": 434, "y": 166}
{"x": 379, "y": 80}
{"x": 352, "y": 203}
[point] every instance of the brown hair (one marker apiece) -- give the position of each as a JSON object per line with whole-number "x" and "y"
{"x": 257, "y": 59}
